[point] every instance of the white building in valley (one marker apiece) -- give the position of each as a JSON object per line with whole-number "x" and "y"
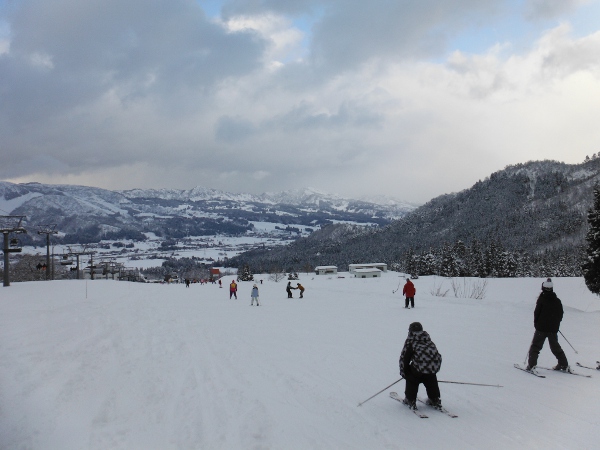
{"x": 367, "y": 273}
{"x": 352, "y": 268}
{"x": 326, "y": 270}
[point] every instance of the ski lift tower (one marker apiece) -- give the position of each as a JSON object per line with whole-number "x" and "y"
{"x": 77, "y": 253}
{"x": 48, "y": 230}
{"x": 10, "y": 224}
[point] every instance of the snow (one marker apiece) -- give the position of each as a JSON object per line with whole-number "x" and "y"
{"x": 148, "y": 253}
{"x": 106, "y": 364}
{"x": 10, "y": 205}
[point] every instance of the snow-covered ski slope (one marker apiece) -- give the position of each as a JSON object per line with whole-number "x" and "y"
{"x": 118, "y": 365}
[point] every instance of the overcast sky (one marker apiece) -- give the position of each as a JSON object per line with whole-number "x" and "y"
{"x": 405, "y": 98}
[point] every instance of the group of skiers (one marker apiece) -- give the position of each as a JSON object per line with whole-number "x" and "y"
{"x": 289, "y": 288}
{"x": 420, "y": 360}
{"x": 233, "y": 287}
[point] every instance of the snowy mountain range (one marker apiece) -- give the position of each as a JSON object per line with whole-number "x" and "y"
{"x": 538, "y": 209}
{"x": 296, "y": 197}
{"x": 83, "y": 213}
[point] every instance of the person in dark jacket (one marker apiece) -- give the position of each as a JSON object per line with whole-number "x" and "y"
{"x": 419, "y": 363}
{"x": 289, "y": 288}
{"x": 546, "y": 319}
{"x": 409, "y": 291}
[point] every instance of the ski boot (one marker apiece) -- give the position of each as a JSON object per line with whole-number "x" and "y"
{"x": 412, "y": 405}
{"x": 434, "y": 403}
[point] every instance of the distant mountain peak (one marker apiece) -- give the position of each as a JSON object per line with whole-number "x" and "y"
{"x": 78, "y": 208}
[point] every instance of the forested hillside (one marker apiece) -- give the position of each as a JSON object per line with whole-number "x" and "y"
{"x": 526, "y": 219}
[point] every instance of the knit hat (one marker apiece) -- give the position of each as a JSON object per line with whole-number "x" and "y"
{"x": 547, "y": 285}
{"x": 415, "y": 326}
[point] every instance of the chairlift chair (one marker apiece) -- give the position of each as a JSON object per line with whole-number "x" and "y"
{"x": 66, "y": 261}
{"x": 14, "y": 245}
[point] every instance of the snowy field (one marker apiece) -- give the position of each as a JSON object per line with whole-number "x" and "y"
{"x": 148, "y": 253}
{"x": 118, "y": 365}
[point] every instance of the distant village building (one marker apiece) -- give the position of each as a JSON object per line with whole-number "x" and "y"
{"x": 354, "y": 267}
{"x": 215, "y": 274}
{"x": 367, "y": 273}
{"x": 325, "y": 270}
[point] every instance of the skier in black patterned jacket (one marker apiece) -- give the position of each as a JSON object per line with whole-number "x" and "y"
{"x": 419, "y": 363}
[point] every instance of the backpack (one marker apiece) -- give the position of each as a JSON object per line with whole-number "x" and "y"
{"x": 426, "y": 358}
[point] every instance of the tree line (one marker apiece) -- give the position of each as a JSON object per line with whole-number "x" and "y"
{"x": 491, "y": 260}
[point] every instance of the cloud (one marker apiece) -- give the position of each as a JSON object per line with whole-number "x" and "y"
{"x": 232, "y": 129}
{"x": 135, "y": 48}
{"x": 365, "y": 99}
{"x": 348, "y": 33}
{"x": 545, "y": 9}
{"x": 562, "y": 55}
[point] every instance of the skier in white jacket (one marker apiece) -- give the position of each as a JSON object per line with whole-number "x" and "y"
{"x": 254, "y": 295}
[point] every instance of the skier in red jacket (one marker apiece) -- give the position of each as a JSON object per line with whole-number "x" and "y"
{"x": 409, "y": 292}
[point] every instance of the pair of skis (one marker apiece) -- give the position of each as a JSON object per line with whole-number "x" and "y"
{"x": 588, "y": 367}
{"x": 539, "y": 375}
{"x": 441, "y": 409}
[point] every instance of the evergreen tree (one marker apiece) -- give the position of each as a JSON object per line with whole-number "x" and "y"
{"x": 524, "y": 265}
{"x": 246, "y": 274}
{"x": 447, "y": 262}
{"x": 429, "y": 264}
{"x": 411, "y": 262}
{"x": 476, "y": 265}
{"x": 460, "y": 259}
{"x": 507, "y": 266}
{"x": 591, "y": 267}
{"x": 491, "y": 260}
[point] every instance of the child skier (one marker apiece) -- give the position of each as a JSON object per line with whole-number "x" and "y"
{"x": 419, "y": 363}
{"x": 254, "y": 295}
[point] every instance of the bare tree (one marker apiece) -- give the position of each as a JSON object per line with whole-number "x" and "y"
{"x": 34, "y": 268}
{"x": 469, "y": 288}
{"x": 437, "y": 290}
{"x": 277, "y": 274}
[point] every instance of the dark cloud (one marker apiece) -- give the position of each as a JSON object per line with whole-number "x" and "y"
{"x": 549, "y": 9}
{"x": 67, "y": 53}
{"x": 295, "y": 7}
{"x": 68, "y": 56}
{"x": 347, "y": 33}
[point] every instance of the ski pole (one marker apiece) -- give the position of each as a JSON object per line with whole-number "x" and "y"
{"x": 568, "y": 341}
{"x": 399, "y": 283}
{"x": 380, "y": 391}
{"x": 472, "y": 384}
{"x": 526, "y": 360}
